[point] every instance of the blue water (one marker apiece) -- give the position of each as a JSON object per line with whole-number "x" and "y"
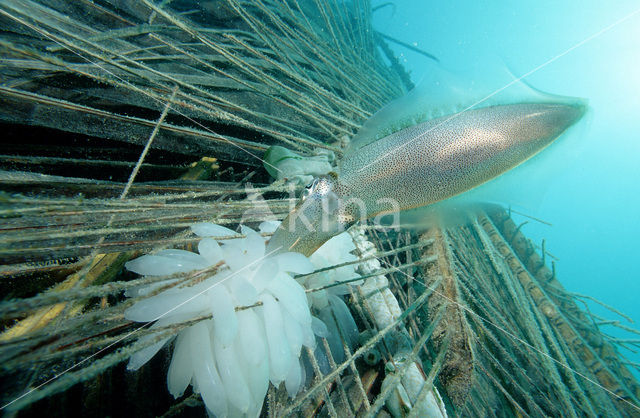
{"x": 588, "y": 186}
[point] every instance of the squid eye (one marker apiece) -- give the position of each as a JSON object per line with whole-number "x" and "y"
{"x": 309, "y": 189}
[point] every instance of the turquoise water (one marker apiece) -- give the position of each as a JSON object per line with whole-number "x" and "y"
{"x": 587, "y": 186}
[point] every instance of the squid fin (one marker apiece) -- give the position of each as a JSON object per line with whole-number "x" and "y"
{"x": 442, "y": 92}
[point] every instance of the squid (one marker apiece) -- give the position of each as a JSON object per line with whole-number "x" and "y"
{"x": 424, "y": 163}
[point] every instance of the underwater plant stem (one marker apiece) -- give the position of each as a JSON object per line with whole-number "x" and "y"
{"x": 399, "y": 69}
{"x": 408, "y": 362}
{"x": 408, "y": 46}
{"x": 604, "y": 305}
{"x": 605, "y": 377}
{"x": 427, "y": 386}
{"x": 328, "y": 378}
{"x": 147, "y": 146}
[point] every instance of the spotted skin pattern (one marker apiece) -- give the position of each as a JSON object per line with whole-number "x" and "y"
{"x": 423, "y": 164}
{"x": 443, "y": 157}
